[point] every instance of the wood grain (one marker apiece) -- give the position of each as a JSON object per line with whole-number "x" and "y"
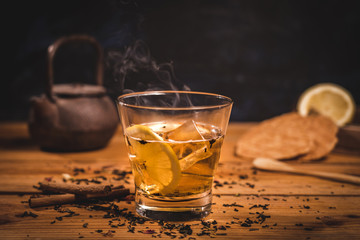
{"x": 299, "y": 207}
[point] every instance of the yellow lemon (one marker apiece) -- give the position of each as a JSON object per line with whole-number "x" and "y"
{"x": 156, "y": 157}
{"x": 330, "y": 100}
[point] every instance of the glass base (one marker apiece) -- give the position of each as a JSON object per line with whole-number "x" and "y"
{"x": 180, "y": 209}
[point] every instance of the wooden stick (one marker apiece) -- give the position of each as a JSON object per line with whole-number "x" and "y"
{"x": 71, "y": 198}
{"x": 73, "y": 188}
{"x": 275, "y": 165}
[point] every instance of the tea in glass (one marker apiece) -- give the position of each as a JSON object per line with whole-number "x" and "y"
{"x": 174, "y": 150}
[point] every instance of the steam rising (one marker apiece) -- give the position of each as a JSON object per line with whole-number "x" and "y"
{"x": 135, "y": 70}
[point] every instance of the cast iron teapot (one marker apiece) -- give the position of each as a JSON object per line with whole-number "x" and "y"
{"x": 73, "y": 117}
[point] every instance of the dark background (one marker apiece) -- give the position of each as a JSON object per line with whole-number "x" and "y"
{"x": 262, "y": 54}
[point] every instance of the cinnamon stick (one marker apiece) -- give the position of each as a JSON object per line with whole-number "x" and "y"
{"x": 71, "y": 198}
{"x": 73, "y": 188}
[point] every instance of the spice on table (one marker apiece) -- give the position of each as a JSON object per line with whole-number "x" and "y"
{"x": 112, "y": 193}
{"x": 73, "y": 188}
{"x": 27, "y": 214}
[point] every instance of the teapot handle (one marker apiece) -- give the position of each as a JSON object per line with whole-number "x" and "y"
{"x": 73, "y": 38}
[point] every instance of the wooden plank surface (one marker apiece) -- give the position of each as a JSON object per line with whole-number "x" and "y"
{"x": 291, "y": 206}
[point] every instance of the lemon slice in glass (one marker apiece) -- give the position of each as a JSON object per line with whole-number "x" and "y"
{"x": 330, "y": 100}
{"x": 157, "y": 158}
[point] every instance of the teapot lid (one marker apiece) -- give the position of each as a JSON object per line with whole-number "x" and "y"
{"x": 78, "y": 90}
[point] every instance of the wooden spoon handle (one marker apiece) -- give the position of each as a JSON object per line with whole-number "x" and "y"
{"x": 333, "y": 176}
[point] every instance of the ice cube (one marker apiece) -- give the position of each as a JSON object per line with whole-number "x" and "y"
{"x": 187, "y": 131}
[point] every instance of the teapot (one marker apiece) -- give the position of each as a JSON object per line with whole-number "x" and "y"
{"x": 76, "y": 116}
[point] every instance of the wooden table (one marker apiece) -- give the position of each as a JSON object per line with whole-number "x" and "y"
{"x": 248, "y": 204}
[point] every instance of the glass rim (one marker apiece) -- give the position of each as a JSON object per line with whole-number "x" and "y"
{"x": 121, "y": 99}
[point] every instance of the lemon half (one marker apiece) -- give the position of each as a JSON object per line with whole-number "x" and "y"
{"x": 158, "y": 158}
{"x": 330, "y": 100}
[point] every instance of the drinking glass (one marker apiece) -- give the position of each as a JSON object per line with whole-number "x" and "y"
{"x": 174, "y": 140}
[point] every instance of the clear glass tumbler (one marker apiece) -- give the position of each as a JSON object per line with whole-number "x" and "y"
{"x": 174, "y": 140}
